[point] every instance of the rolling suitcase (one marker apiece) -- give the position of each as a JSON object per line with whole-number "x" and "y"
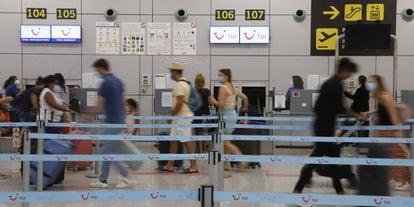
{"x": 164, "y": 148}
{"x": 345, "y": 171}
{"x": 81, "y": 147}
{"x": 51, "y": 169}
{"x": 251, "y": 147}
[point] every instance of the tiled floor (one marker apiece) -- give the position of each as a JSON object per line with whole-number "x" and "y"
{"x": 270, "y": 178}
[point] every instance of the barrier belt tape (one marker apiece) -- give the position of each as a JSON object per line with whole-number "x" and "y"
{"x": 312, "y": 199}
{"x": 318, "y": 160}
{"x": 231, "y": 158}
{"x": 192, "y": 195}
{"x": 101, "y": 157}
{"x": 300, "y": 128}
{"x": 388, "y": 140}
{"x": 138, "y": 126}
{"x": 118, "y": 137}
{"x": 18, "y": 124}
{"x": 290, "y": 119}
{"x": 163, "y": 118}
{"x": 98, "y": 196}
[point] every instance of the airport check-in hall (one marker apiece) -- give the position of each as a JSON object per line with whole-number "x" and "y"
{"x": 206, "y": 103}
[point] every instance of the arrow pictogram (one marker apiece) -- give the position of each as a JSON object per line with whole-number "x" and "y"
{"x": 334, "y": 12}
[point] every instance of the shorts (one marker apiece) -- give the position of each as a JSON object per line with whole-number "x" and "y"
{"x": 182, "y": 131}
{"x": 231, "y": 113}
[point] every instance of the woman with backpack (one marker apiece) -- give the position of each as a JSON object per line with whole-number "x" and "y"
{"x": 204, "y": 110}
{"x": 226, "y": 104}
{"x": 387, "y": 114}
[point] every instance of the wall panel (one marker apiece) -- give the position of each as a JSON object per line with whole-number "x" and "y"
{"x": 274, "y": 64}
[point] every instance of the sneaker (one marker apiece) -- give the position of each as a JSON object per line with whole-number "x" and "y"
{"x": 99, "y": 184}
{"x": 403, "y": 187}
{"x": 125, "y": 183}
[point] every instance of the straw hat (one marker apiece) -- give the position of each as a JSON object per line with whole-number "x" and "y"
{"x": 176, "y": 66}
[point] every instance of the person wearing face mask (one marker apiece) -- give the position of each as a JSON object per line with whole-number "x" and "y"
{"x": 52, "y": 109}
{"x": 360, "y": 102}
{"x": 328, "y": 106}
{"x": 295, "y": 84}
{"x": 226, "y": 104}
{"x": 111, "y": 102}
{"x": 386, "y": 113}
{"x": 51, "y": 106}
{"x": 62, "y": 90}
{"x": 181, "y": 95}
{"x": 11, "y": 85}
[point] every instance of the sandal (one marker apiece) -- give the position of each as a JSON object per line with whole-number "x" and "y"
{"x": 162, "y": 169}
{"x": 188, "y": 171}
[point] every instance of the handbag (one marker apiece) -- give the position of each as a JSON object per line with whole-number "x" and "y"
{"x": 4, "y": 116}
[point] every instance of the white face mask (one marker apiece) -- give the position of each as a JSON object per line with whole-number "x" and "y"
{"x": 17, "y": 82}
{"x": 371, "y": 87}
{"x": 291, "y": 82}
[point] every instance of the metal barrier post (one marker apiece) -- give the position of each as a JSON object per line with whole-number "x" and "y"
{"x": 97, "y": 165}
{"x": 218, "y": 145}
{"x": 26, "y": 165}
{"x": 214, "y": 162}
{"x": 40, "y": 129}
{"x": 412, "y": 157}
{"x": 206, "y": 196}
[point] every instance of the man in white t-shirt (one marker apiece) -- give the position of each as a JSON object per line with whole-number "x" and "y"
{"x": 181, "y": 95}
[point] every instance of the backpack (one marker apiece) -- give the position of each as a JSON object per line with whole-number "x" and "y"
{"x": 195, "y": 102}
{"x": 20, "y": 98}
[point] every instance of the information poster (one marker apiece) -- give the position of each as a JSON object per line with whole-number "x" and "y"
{"x": 133, "y": 38}
{"x": 107, "y": 38}
{"x": 159, "y": 38}
{"x": 185, "y": 39}
{"x": 166, "y": 99}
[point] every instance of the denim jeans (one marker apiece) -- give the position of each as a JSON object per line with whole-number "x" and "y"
{"x": 112, "y": 147}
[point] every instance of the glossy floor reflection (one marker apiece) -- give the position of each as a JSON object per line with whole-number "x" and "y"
{"x": 269, "y": 178}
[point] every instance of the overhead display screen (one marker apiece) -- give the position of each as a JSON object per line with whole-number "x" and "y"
{"x": 35, "y": 33}
{"x": 255, "y": 35}
{"x": 224, "y": 35}
{"x": 368, "y": 37}
{"x": 66, "y": 34}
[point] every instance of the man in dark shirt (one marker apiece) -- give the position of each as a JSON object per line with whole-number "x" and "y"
{"x": 328, "y": 106}
{"x": 360, "y": 103}
{"x": 360, "y": 97}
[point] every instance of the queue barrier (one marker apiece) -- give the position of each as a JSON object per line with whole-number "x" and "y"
{"x": 373, "y": 140}
{"x": 217, "y": 193}
{"x": 312, "y": 199}
{"x": 98, "y": 196}
{"x": 224, "y": 157}
{"x": 301, "y": 128}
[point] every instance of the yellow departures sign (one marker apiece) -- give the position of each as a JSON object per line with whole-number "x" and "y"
{"x": 326, "y": 38}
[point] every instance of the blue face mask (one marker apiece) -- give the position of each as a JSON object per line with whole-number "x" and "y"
{"x": 371, "y": 87}
{"x": 99, "y": 75}
{"x": 220, "y": 80}
{"x": 57, "y": 89}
